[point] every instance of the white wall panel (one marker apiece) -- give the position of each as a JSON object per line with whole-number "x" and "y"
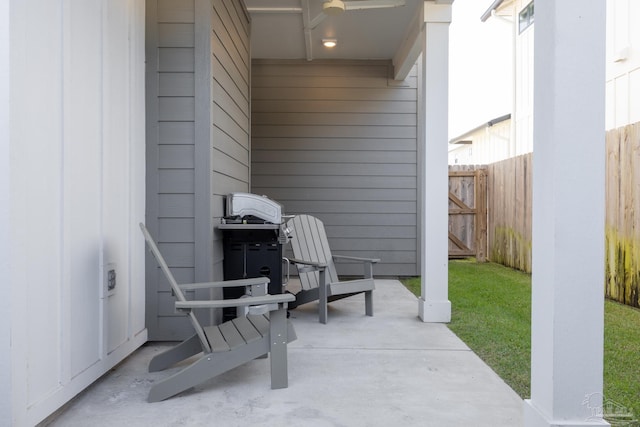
{"x": 82, "y": 185}
{"x": 623, "y": 63}
{"x": 36, "y": 198}
{"x": 5, "y": 223}
{"x": 76, "y": 193}
{"x": 115, "y": 208}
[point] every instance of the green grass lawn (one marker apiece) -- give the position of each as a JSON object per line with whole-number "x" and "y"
{"x": 491, "y": 313}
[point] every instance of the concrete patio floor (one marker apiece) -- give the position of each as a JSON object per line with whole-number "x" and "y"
{"x": 386, "y": 370}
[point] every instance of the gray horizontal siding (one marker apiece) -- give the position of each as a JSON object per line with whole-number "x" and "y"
{"x": 319, "y": 169}
{"x": 333, "y": 106}
{"x": 198, "y": 145}
{"x": 334, "y": 119}
{"x": 346, "y": 206}
{"x": 170, "y": 156}
{"x": 176, "y": 145}
{"x": 230, "y": 133}
{"x": 329, "y": 94}
{"x": 354, "y": 182}
{"x": 338, "y": 140}
{"x": 354, "y": 157}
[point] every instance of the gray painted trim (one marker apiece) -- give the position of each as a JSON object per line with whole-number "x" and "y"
{"x": 151, "y": 154}
{"x": 421, "y": 173}
{"x": 250, "y": 89}
{"x": 203, "y": 105}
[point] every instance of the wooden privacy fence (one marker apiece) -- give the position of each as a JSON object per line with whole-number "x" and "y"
{"x": 622, "y": 232}
{"x": 509, "y": 205}
{"x": 509, "y": 210}
{"x": 468, "y": 212}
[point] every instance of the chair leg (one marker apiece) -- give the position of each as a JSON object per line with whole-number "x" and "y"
{"x": 322, "y": 297}
{"x": 278, "y": 348}
{"x": 368, "y": 303}
{"x": 179, "y": 352}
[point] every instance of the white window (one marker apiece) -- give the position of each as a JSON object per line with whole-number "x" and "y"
{"x": 526, "y": 17}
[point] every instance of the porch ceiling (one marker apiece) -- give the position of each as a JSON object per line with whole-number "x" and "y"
{"x": 284, "y": 29}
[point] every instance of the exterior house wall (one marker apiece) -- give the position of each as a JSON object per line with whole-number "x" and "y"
{"x": 523, "y": 113}
{"x": 197, "y": 142}
{"x": 622, "y": 69}
{"x": 75, "y": 196}
{"x": 623, "y": 64}
{"x": 338, "y": 140}
{"x": 486, "y": 144}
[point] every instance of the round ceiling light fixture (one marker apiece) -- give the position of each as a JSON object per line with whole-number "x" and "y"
{"x": 329, "y": 43}
{"x": 333, "y": 7}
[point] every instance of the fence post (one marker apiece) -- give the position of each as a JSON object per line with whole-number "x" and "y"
{"x": 481, "y": 214}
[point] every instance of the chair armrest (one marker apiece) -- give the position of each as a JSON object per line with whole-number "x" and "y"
{"x": 237, "y": 302}
{"x": 225, "y": 284}
{"x": 355, "y": 258}
{"x": 317, "y": 265}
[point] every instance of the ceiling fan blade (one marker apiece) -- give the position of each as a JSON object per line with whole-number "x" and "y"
{"x": 373, "y": 4}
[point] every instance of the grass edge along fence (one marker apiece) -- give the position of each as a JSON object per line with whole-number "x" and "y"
{"x": 509, "y": 191}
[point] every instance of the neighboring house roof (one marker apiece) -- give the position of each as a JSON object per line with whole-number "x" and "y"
{"x": 462, "y": 139}
{"x": 496, "y": 4}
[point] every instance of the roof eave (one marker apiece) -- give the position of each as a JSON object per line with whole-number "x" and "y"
{"x": 496, "y": 4}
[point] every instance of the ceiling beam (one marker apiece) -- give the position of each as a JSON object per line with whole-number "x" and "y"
{"x": 306, "y": 23}
{"x": 411, "y": 48}
{"x": 279, "y": 10}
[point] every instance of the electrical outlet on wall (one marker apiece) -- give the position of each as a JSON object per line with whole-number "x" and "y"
{"x": 110, "y": 279}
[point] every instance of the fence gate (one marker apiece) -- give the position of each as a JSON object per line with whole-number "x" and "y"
{"x": 468, "y": 212}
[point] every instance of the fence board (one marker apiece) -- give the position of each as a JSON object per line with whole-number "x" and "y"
{"x": 509, "y": 205}
{"x": 622, "y": 232}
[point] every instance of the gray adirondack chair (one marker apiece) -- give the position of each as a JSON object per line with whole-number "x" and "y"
{"x": 317, "y": 271}
{"x": 265, "y": 330}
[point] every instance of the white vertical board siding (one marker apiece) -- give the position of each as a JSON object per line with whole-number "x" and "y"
{"x": 338, "y": 140}
{"x": 76, "y": 136}
{"x": 5, "y": 219}
{"x": 489, "y": 144}
{"x": 82, "y": 151}
{"x": 36, "y": 203}
{"x": 524, "y": 86}
{"x": 623, "y": 63}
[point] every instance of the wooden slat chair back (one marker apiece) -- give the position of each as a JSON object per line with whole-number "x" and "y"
{"x": 316, "y": 268}
{"x": 179, "y": 295}
{"x": 309, "y": 242}
{"x": 226, "y": 346}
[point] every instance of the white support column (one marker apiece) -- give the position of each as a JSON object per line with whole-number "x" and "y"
{"x": 568, "y": 215}
{"x": 5, "y": 215}
{"x": 434, "y": 304}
